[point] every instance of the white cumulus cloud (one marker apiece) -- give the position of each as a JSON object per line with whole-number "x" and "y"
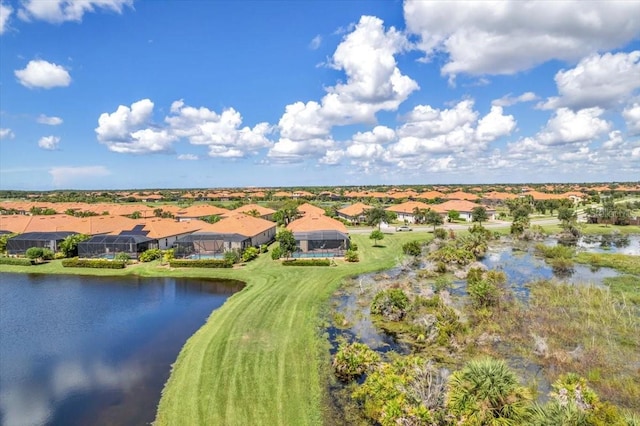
{"x": 504, "y": 37}
{"x": 495, "y": 125}
{"x": 49, "y": 143}
{"x": 373, "y": 83}
{"x": 187, "y": 157}
{"x": 51, "y": 121}
{"x": 567, "y": 126}
{"x": 631, "y": 116}
{"x": 509, "y": 100}
{"x": 597, "y": 81}
{"x": 5, "y": 14}
{"x": 42, "y": 74}
{"x": 6, "y": 133}
{"x": 58, "y": 11}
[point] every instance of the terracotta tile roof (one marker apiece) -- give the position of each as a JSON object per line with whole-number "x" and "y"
{"x": 316, "y": 223}
{"x": 262, "y": 211}
{"x": 201, "y": 210}
{"x": 544, "y": 196}
{"x": 499, "y": 196}
{"x": 460, "y": 195}
{"x": 240, "y": 223}
{"x": 459, "y": 205}
{"x": 282, "y": 194}
{"x": 164, "y": 228}
{"x": 430, "y": 195}
{"x": 408, "y": 207}
{"x": 355, "y": 209}
{"x": 307, "y": 209}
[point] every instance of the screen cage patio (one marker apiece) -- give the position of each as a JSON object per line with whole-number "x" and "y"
{"x": 202, "y": 245}
{"x": 108, "y": 246}
{"x": 321, "y": 243}
{"x": 22, "y": 242}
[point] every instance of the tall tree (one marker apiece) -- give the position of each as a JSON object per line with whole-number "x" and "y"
{"x": 479, "y": 214}
{"x": 287, "y": 242}
{"x": 433, "y": 218}
{"x": 376, "y": 216}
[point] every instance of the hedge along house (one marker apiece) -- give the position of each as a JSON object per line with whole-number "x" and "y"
{"x": 236, "y": 232}
{"x": 19, "y": 244}
{"x": 319, "y": 236}
{"x": 355, "y": 213}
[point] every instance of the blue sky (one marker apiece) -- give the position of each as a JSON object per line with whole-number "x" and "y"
{"x": 117, "y": 94}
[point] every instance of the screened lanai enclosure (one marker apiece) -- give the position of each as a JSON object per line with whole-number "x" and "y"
{"x": 21, "y": 243}
{"x": 321, "y": 244}
{"x": 203, "y": 245}
{"x": 108, "y": 246}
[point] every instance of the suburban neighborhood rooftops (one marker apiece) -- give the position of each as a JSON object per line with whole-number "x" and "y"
{"x": 316, "y": 223}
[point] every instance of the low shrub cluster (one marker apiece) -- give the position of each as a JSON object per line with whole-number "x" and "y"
{"x": 200, "y": 263}
{"x": 412, "y": 248}
{"x": 351, "y": 256}
{"x": 74, "y": 262}
{"x": 150, "y": 255}
{"x": 249, "y": 254}
{"x": 307, "y": 262}
{"x": 16, "y": 261}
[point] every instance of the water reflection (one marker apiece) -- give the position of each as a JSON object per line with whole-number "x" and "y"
{"x": 79, "y": 350}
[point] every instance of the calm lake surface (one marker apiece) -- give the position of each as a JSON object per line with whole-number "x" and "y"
{"x": 92, "y": 350}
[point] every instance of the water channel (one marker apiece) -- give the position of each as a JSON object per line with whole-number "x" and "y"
{"x": 94, "y": 350}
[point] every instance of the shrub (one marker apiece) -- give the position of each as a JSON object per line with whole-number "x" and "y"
{"x": 351, "y": 256}
{"x": 487, "y": 392}
{"x": 391, "y": 304}
{"x": 122, "y": 257}
{"x": 353, "y": 360}
{"x": 264, "y": 248}
{"x": 231, "y": 256}
{"x": 34, "y": 252}
{"x": 200, "y": 263}
{"x": 440, "y": 233}
{"x": 307, "y": 262}
{"x": 353, "y": 246}
{"x": 555, "y": 252}
{"x": 249, "y": 254}
{"x": 74, "y": 262}
{"x": 168, "y": 255}
{"x": 150, "y": 255}
{"x": 47, "y": 254}
{"x": 17, "y": 261}
{"x": 276, "y": 253}
{"x": 413, "y": 248}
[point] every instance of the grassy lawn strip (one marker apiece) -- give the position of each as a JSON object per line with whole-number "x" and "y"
{"x": 622, "y": 262}
{"x": 258, "y": 359}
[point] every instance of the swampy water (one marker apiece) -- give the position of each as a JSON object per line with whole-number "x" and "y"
{"x": 91, "y": 350}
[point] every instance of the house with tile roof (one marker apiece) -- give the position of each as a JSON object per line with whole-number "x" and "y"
{"x": 309, "y": 209}
{"x": 234, "y": 232}
{"x": 261, "y": 211}
{"x": 355, "y": 213}
{"x": 464, "y": 207}
{"x": 319, "y": 236}
{"x": 405, "y": 211}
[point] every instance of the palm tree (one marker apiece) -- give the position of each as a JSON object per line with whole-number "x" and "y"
{"x": 487, "y": 392}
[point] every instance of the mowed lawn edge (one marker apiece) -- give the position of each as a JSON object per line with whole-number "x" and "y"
{"x": 260, "y": 358}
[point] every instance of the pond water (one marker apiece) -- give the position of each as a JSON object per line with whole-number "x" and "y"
{"x": 93, "y": 350}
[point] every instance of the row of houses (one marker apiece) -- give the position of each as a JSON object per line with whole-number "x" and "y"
{"x": 315, "y": 234}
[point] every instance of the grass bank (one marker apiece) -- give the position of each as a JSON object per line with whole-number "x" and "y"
{"x": 258, "y": 359}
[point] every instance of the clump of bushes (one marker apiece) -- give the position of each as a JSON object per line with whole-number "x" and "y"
{"x": 351, "y": 256}
{"x": 413, "y": 248}
{"x": 440, "y": 233}
{"x": 150, "y": 255}
{"x": 74, "y": 262}
{"x": 39, "y": 253}
{"x": 231, "y": 256}
{"x": 276, "y": 253}
{"x": 122, "y": 257}
{"x": 353, "y": 360}
{"x": 392, "y": 304}
{"x": 250, "y": 253}
{"x": 555, "y": 252}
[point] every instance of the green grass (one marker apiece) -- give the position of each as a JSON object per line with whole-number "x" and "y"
{"x": 622, "y": 262}
{"x": 260, "y": 358}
